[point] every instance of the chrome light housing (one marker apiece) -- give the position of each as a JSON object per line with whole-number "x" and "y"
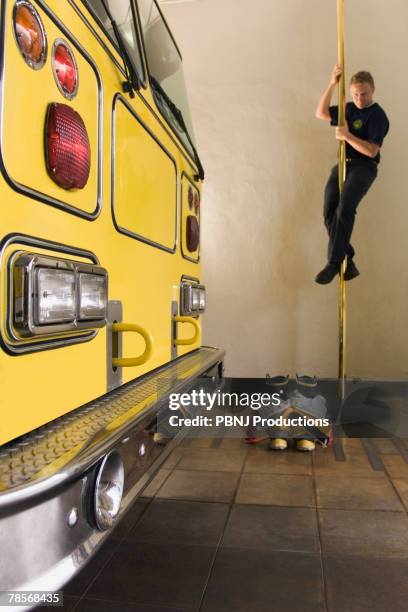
{"x": 29, "y": 34}
{"x": 108, "y": 491}
{"x": 52, "y": 295}
{"x": 192, "y": 298}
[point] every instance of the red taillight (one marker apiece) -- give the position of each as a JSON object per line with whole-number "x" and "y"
{"x": 65, "y": 69}
{"x": 190, "y": 198}
{"x": 193, "y": 233}
{"x": 30, "y": 34}
{"x": 68, "y": 153}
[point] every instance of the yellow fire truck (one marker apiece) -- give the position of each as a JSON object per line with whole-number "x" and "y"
{"x": 100, "y": 280}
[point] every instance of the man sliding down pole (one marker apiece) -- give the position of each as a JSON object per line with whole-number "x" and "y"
{"x": 367, "y": 126}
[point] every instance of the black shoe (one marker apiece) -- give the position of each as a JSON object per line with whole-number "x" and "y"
{"x": 351, "y": 270}
{"x": 326, "y": 275}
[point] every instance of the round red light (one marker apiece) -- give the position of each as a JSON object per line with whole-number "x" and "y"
{"x": 65, "y": 69}
{"x": 30, "y": 34}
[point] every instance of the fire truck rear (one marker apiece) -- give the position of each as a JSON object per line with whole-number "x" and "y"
{"x": 100, "y": 278}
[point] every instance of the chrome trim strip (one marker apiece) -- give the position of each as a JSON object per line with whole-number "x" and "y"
{"x": 170, "y": 133}
{"x": 99, "y": 441}
{"x": 158, "y": 117}
{"x": 189, "y": 278}
{"x": 95, "y": 33}
{"x": 174, "y": 310}
{"x": 168, "y": 29}
{"x": 40, "y": 345}
{"x": 25, "y": 189}
{"x": 113, "y": 42}
{"x": 190, "y": 154}
{"x": 191, "y": 181}
{"x": 113, "y": 376}
{"x": 118, "y": 227}
{"x": 148, "y": 475}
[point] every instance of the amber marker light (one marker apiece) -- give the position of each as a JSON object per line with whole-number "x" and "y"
{"x": 30, "y": 34}
{"x": 65, "y": 69}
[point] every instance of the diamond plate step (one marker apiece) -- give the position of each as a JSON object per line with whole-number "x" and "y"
{"x": 60, "y": 450}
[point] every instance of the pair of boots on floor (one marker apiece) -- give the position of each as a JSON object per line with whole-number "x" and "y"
{"x": 304, "y": 400}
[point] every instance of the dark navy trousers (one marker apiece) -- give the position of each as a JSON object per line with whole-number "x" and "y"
{"x": 340, "y": 211}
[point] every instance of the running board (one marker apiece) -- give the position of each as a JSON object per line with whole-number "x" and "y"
{"x": 62, "y": 451}
{"x": 47, "y": 478}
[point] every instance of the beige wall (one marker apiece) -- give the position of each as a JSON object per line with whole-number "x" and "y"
{"x": 254, "y": 72}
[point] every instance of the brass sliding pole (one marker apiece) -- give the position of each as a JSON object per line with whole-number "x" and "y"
{"x": 342, "y": 177}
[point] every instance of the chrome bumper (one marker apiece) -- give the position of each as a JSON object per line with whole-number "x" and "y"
{"x": 46, "y": 474}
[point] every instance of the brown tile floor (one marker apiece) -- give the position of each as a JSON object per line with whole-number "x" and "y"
{"x": 227, "y": 527}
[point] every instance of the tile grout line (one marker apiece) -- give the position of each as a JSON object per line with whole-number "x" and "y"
{"x": 170, "y": 471}
{"x": 119, "y": 542}
{"x": 239, "y": 471}
{"x": 148, "y": 504}
{"x": 312, "y": 474}
{"x": 405, "y": 509}
{"x": 149, "y": 501}
{"x": 372, "y": 454}
{"x": 83, "y": 594}
{"x": 125, "y": 603}
{"x": 400, "y": 448}
{"x": 325, "y": 588}
{"x": 231, "y": 505}
{"x": 177, "y": 462}
{"x": 269, "y": 505}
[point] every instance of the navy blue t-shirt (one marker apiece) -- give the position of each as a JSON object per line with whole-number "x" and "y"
{"x": 369, "y": 124}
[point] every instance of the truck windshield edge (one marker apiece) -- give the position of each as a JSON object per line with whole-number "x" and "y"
{"x": 165, "y": 66}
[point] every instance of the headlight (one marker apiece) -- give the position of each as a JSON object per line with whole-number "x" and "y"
{"x": 192, "y": 298}
{"x": 202, "y": 299}
{"x": 108, "y": 491}
{"x": 56, "y": 298}
{"x": 195, "y": 299}
{"x": 52, "y": 295}
{"x": 93, "y": 296}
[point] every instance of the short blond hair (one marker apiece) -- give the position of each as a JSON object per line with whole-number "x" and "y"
{"x": 362, "y": 77}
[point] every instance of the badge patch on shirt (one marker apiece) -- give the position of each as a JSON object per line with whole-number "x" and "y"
{"x": 357, "y": 124}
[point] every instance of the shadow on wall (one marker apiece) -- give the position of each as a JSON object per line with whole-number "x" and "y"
{"x": 254, "y": 77}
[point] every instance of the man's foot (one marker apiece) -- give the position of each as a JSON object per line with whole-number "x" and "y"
{"x": 326, "y": 275}
{"x": 278, "y": 444}
{"x": 305, "y": 445}
{"x": 351, "y": 270}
